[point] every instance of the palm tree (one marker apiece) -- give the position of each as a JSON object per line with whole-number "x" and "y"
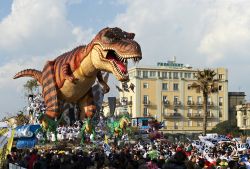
{"x": 207, "y": 84}
{"x": 30, "y": 86}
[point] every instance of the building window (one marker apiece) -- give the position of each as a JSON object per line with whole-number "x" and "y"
{"x": 189, "y": 123}
{"x": 145, "y": 111}
{"x": 199, "y": 123}
{"x": 145, "y": 99}
{"x": 165, "y": 124}
{"x": 199, "y": 100}
{"x": 176, "y": 124}
{"x": 220, "y": 88}
{"x": 186, "y": 75}
{"x": 209, "y": 113}
{"x": 220, "y": 76}
{"x": 199, "y": 112}
{"x": 170, "y": 75}
{"x": 145, "y": 74}
{"x": 220, "y": 113}
{"x": 175, "y": 75}
{"x": 220, "y": 101}
{"x": 165, "y": 111}
{"x": 152, "y": 74}
{"x": 164, "y": 74}
{"x": 176, "y": 87}
{"x": 244, "y": 122}
{"x": 164, "y": 98}
{"x": 145, "y": 85}
{"x": 181, "y": 75}
{"x": 190, "y": 100}
{"x": 144, "y": 122}
{"x": 175, "y": 100}
{"x": 190, "y": 112}
{"x": 139, "y": 73}
{"x": 164, "y": 86}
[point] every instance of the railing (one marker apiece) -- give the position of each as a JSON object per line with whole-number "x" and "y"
{"x": 130, "y": 103}
{"x": 195, "y": 115}
{"x": 166, "y": 103}
{"x": 190, "y": 103}
{"x": 15, "y": 166}
{"x": 146, "y": 102}
{"x": 198, "y": 115}
{"x": 210, "y": 103}
{"x": 199, "y": 104}
{"x": 177, "y": 103}
{"x": 172, "y": 115}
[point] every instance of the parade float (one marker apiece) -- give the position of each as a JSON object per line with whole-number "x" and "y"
{"x": 76, "y": 78}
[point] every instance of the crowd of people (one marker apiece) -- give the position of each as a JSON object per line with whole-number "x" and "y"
{"x": 154, "y": 155}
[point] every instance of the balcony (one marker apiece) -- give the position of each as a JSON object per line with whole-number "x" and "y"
{"x": 210, "y": 104}
{"x": 211, "y": 115}
{"x": 146, "y": 102}
{"x": 195, "y": 115}
{"x": 190, "y": 103}
{"x": 130, "y": 103}
{"x": 177, "y": 103}
{"x": 198, "y": 115}
{"x": 166, "y": 103}
{"x": 199, "y": 104}
{"x": 172, "y": 115}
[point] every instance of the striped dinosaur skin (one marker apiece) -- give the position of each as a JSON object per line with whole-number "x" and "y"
{"x": 71, "y": 75}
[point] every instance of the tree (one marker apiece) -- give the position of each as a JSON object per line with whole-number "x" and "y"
{"x": 226, "y": 127}
{"x": 207, "y": 84}
{"x": 31, "y": 86}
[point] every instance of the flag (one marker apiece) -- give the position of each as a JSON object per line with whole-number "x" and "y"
{"x": 132, "y": 87}
{"x": 106, "y": 139}
{"x": 119, "y": 89}
{"x": 10, "y": 142}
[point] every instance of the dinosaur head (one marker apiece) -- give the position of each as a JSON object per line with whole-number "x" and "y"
{"x": 115, "y": 47}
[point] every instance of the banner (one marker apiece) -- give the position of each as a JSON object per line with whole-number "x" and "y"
{"x": 26, "y": 136}
{"x": 112, "y": 105}
{"x": 10, "y": 142}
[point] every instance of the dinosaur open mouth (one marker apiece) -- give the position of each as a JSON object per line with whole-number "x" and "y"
{"x": 119, "y": 62}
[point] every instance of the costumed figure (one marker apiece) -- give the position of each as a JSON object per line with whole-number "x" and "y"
{"x": 119, "y": 127}
{"x": 87, "y": 129}
{"x": 154, "y": 129}
{"x": 70, "y": 77}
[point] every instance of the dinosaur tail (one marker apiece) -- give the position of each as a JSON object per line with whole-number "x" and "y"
{"x": 30, "y": 73}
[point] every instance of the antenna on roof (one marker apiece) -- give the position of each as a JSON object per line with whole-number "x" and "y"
{"x": 174, "y": 59}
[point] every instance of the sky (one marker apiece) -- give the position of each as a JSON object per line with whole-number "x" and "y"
{"x": 203, "y": 34}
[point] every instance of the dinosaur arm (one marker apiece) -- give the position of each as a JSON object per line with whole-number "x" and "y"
{"x": 68, "y": 73}
{"x": 102, "y": 82}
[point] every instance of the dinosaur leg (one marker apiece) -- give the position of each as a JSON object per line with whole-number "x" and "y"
{"x": 68, "y": 74}
{"x": 87, "y": 106}
{"x": 50, "y": 91}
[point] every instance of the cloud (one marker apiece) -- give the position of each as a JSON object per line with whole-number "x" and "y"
{"x": 33, "y": 32}
{"x": 199, "y": 33}
{"x": 229, "y": 32}
{"x": 207, "y": 30}
{"x": 37, "y": 28}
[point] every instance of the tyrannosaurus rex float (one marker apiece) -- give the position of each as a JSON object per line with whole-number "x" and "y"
{"x": 71, "y": 75}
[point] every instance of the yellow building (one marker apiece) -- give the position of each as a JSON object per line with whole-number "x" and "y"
{"x": 243, "y": 116}
{"x": 163, "y": 92}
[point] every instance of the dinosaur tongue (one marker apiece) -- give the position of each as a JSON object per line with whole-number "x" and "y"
{"x": 120, "y": 64}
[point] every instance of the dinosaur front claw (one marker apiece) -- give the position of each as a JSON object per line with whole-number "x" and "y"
{"x": 72, "y": 79}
